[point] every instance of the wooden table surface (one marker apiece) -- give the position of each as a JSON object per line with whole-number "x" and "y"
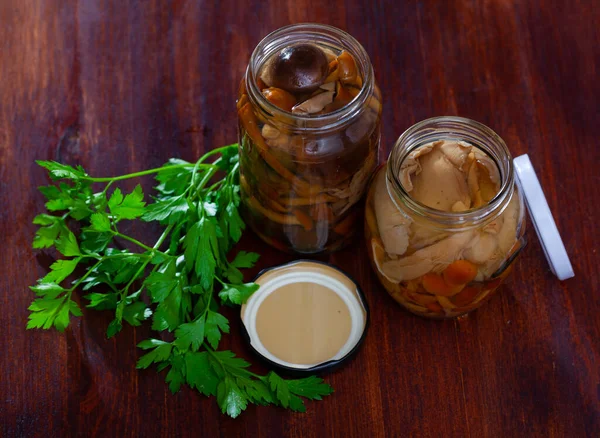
{"x": 119, "y": 86}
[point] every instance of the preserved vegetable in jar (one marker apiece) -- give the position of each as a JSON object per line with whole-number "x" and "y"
{"x": 309, "y": 113}
{"x": 444, "y": 218}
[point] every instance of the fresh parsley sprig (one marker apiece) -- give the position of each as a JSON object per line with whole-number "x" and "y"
{"x": 178, "y": 282}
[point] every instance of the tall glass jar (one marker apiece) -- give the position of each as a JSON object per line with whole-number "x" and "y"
{"x": 303, "y": 173}
{"x": 442, "y": 263}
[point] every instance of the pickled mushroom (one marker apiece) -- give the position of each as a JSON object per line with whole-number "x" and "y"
{"x": 505, "y": 238}
{"x": 354, "y": 189}
{"x": 433, "y": 258}
{"x": 328, "y": 86}
{"x": 483, "y": 179}
{"x": 300, "y": 68}
{"x": 379, "y": 257}
{"x": 392, "y": 223}
{"x": 275, "y": 138}
{"x": 315, "y": 104}
{"x": 434, "y": 176}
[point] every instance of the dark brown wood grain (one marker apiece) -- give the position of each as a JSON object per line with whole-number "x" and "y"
{"x": 123, "y": 85}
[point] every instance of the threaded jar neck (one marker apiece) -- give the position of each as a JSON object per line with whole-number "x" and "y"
{"x": 451, "y": 128}
{"x": 323, "y": 35}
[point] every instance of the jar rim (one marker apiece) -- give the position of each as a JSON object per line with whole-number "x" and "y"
{"x": 460, "y": 128}
{"x": 276, "y": 40}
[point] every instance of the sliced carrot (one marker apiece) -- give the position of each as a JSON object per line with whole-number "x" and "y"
{"x": 347, "y": 67}
{"x": 353, "y": 91}
{"x": 460, "y": 272}
{"x": 333, "y": 72}
{"x": 435, "y": 307}
{"x": 494, "y": 283}
{"x": 260, "y": 84}
{"x": 274, "y": 205}
{"x": 435, "y": 284}
{"x": 248, "y": 119}
{"x": 304, "y": 219}
{"x": 242, "y": 87}
{"x": 280, "y": 98}
{"x": 466, "y": 296}
{"x": 375, "y": 104}
{"x": 421, "y": 299}
{"x": 243, "y": 100}
{"x": 445, "y": 302}
{"x": 344, "y": 227}
{"x": 284, "y": 219}
{"x": 274, "y": 243}
{"x": 250, "y": 124}
{"x": 318, "y": 199}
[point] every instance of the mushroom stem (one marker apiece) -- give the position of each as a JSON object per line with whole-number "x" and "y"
{"x": 251, "y": 126}
{"x": 319, "y": 199}
{"x": 284, "y": 219}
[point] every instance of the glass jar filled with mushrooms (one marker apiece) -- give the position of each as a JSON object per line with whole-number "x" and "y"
{"x": 444, "y": 219}
{"x": 309, "y": 113}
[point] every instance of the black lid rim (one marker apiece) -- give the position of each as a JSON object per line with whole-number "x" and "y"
{"x": 323, "y": 367}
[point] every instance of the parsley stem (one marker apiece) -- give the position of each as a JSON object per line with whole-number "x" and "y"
{"x": 212, "y": 353}
{"x": 115, "y": 256}
{"x": 207, "y": 176}
{"x": 159, "y": 242}
{"x": 215, "y": 185}
{"x": 140, "y": 244}
{"x": 147, "y": 172}
{"x": 86, "y": 275}
{"x": 217, "y": 151}
{"x": 162, "y": 238}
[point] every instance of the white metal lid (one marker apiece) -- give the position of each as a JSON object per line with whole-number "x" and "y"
{"x": 306, "y": 271}
{"x": 541, "y": 217}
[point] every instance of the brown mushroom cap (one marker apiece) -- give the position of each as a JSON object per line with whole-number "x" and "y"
{"x": 300, "y": 68}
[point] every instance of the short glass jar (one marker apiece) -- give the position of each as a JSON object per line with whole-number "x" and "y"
{"x": 439, "y": 263}
{"x": 302, "y": 174}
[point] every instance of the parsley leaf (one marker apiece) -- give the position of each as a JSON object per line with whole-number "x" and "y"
{"x": 48, "y": 312}
{"x": 67, "y": 244}
{"x": 58, "y": 170}
{"x": 175, "y": 377}
{"x": 190, "y": 334}
{"x": 199, "y": 373}
{"x": 160, "y": 284}
{"x": 237, "y": 293}
{"x": 48, "y": 290}
{"x": 166, "y": 316}
{"x": 201, "y": 248}
{"x": 169, "y": 209}
{"x": 245, "y": 259}
{"x": 60, "y": 270}
{"x": 161, "y": 352}
{"x": 100, "y": 301}
{"x": 100, "y": 222}
{"x": 46, "y": 236}
{"x": 215, "y": 324}
{"x": 280, "y": 387}
{"x": 128, "y": 207}
{"x": 136, "y": 313}
{"x": 311, "y": 387}
{"x": 230, "y": 398}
